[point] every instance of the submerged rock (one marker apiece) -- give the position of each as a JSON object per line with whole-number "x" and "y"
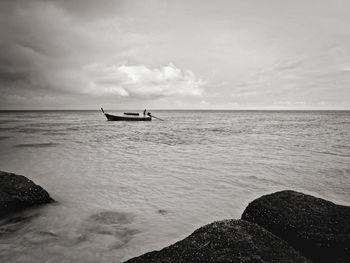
{"x": 319, "y": 229}
{"x": 18, "y": 192}
{"x": 226, "y": 241}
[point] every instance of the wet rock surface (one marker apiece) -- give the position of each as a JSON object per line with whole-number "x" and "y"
{"x": 319, "y": 229}
{"x": 18, "y": 192}
{"x": 226, "y": 241}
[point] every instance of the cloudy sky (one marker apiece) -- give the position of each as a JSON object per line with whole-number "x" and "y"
{"x": 183, "y": 54}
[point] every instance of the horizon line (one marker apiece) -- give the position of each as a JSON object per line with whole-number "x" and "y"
{"x": 8, "y": 110}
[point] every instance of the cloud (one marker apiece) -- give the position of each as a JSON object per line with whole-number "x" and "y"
{"x": 143, "y": 82}
{"x": 54, "y": 47}
{"x": 245, "y": 94}
{"x": 81, "y": 49}
{"x": 88, "y": 52}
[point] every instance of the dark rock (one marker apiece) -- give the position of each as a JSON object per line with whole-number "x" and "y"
{"x": 319, "y": 229}
{"x": 18, "y": 192}
{"x": 226, "y": 241}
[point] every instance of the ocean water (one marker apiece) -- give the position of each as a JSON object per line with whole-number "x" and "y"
{"x": 127, "y": 188}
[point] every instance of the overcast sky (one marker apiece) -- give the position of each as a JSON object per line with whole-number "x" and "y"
{"x": 159, "y": 54}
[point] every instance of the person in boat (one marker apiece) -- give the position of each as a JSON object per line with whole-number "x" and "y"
{"x": 149, "y": 114}
{"x": 144, "y": 112}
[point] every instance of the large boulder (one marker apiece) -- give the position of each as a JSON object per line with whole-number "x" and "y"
{"x": 18, "y": 192}
{"x": 319, "y": 229}
{"x": 226, "y": 241}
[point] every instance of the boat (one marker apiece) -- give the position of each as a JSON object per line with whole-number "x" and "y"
{"x": 126, "y": 117}
{"x": 131, "y": 113}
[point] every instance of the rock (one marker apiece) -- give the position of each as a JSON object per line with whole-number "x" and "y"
{"x": 226, "y": 241}
{"x": 18, "y": 192}
{"x": 319, "y": 229}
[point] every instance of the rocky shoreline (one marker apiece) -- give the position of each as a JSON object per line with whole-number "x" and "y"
{"x": 319, "y": 229}
{"x": 226, "y": 241}
{"x": 18, "y": 192}
{"x": 285, "y": 226}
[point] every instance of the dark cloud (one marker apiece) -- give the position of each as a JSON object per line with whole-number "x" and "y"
{"x": 90, "y": 9}
{"x": 122, "y": 50}
{"x": 52, "y": 48}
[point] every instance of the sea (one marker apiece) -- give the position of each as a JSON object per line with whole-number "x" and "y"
{"x": 126, "y": 188}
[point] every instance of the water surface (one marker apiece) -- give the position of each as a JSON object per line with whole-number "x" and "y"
{"x": 126, "y": 188}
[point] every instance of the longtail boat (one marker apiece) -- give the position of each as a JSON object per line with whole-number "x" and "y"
{"x": 132, "y": 113}
{"x": 126, "y": 117}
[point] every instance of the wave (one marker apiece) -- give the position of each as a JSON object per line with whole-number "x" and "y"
{"x": 110, "y": 228}
{"x": 7, "y": 128}
{"x": 37, "y": 145}
{"x": 333, "y": 153}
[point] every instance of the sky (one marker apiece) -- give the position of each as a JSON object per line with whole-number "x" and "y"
{"x": 183, "y": 54}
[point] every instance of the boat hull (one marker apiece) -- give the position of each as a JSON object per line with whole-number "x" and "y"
{"x": 131, "y": 113}
{"x": 126, "y": 118}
